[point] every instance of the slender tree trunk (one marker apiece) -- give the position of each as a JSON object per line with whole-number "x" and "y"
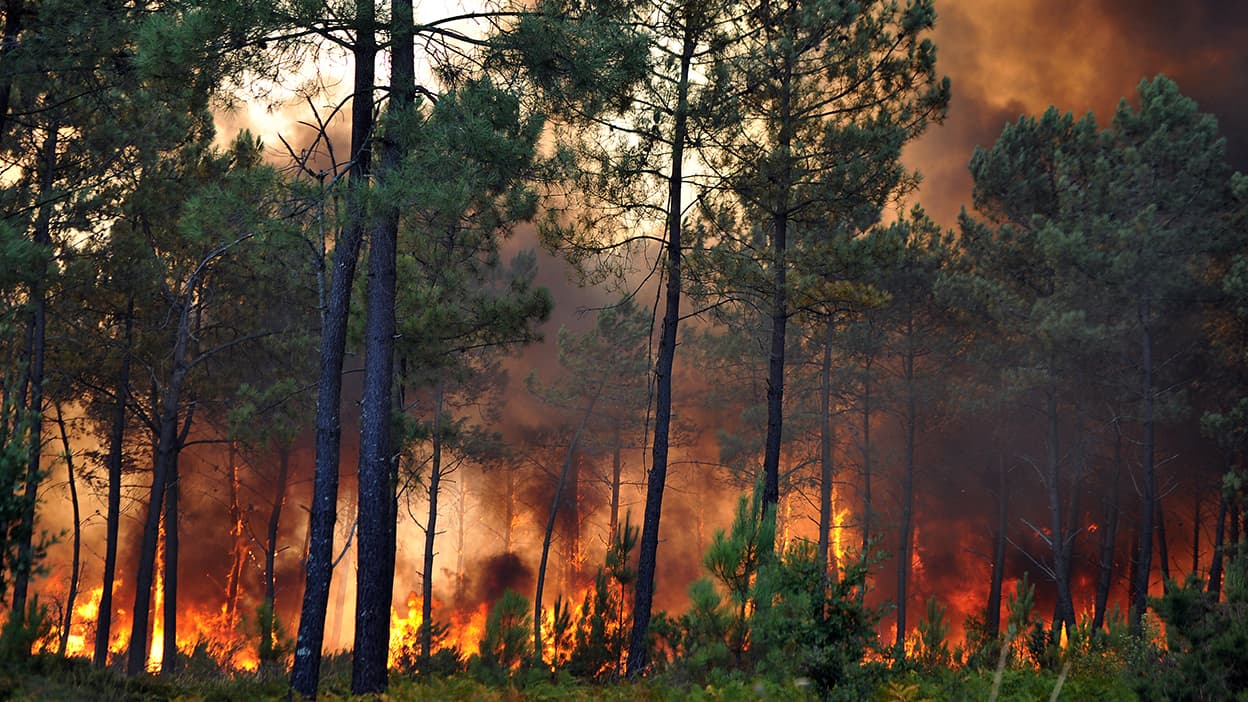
{"x": 163, "y": 465}
{"x": 238, "y": 550}
{"x": 1149, "y": 506}
{"x": 779, "y": 315}
{"x": 550, "y": 525}
{"x": 827, "y": 564}
{"x": 75, "y": 558}
{"x": 116, "y": 443}
{"x": 905, "y": 550}
{"x": 169, "y": 653}
{"x": 867, "y": 516}
{"x": 1215, "y": 567}
{"x": 1163, "y": 548}
{"x": 616, "y": 472}
{"x": 42, "y": 237}
{"x": 992, "y": 620}
{"x": 1061, "y": 559}
{"x": 376, "y": 542}
{"x": 305, "y": 672}
{"x": 426, "y": 585}
{"x": 1197, "y": 508}
{"x": 1109, "y": 538}
{"x": 647, "y": 557}
{"x": 270, "y": 553}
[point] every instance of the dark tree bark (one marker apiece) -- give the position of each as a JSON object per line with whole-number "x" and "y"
{"x": 376, "y": 542}
{"x": 42, "y": 237}
{"x": 992, "y": 620}
{"x": 275, "y": 519}
{"x": 1163, "y": 547}
{"x": 638, "y": 645}
{"x": 867, "y": 516}
{"x": 305, "y": 672}
{"x": 905, "y": 550}
{"x": 431, "y": 526}
{"x": 779, "y": 313}
{"x": 163, "y": 465}
{"x": 238, "y": 550}
{"x": 617, "y": 468}
{"x": 568, "y": 460}
{"x": 75, "y": 557}
{"x": 1215, "y": 567}
{"x": 1148, "y": 509}
{"x": 1197, "y": 517}
{"x": 169, "y": 652}
{"x": 1064, "y": 614}
{"x": 1109, "y": 538}
{"x": 116, "y": 442}
{"x": 827, "y": 564}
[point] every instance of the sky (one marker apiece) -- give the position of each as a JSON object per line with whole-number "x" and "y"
{"x": 1007, "y": 58}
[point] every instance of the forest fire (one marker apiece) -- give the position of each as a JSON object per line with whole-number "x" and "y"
{"x": 615, "y": 343}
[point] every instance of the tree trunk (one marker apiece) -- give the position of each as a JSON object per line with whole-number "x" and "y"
{"x": 42, "y": 237}
{"x": 550, "y": 526}
{"x": 616, "y": 471}
{"x": 992, "y": 619}
{"x": 1109, "y": 538}
{"x": 1163, "y": 548}
{"x": 169, "y": 653}
{"x": 827, "y": 565}
{"x": 270, "y": 553}
{"x": 238, "y": 549}
{"x": 647, "y": 557}
{"x": 867, "y": 516}
{"x": 1061, "y": 554}
{"x": 116, "y": 443}
{"x": 75, "y": 558}
{"x": 305, "y": 672}
{"x": 1197, "y": 508}
{"x": 1215, "y": 567}
{"x": 376, "y": 542}
{"x": 1149, "y": 506}
{"x": 426, "y": 585}
{"x": 779, "y": 317}
{"x": 905, "y": 550}
{"x": 163, "y": 465}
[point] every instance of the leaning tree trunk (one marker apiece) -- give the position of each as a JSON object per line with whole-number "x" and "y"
{"x": 116, "y": 443}
{"x": 550, "y": 525}
{"x": 647, "y": 556}
{"x": 1057, "y": 535}
{"x": 305, "y": 672}
{"x": 75, "y": 558}
{"x": 1163, "y": 547}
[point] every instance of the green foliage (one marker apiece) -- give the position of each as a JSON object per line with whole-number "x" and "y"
{"x": 1206, "y": 641}
{"x": 932, "y": 648}
{"x": 274, "y": 645}
{"x": 601, "y": 634}
{"x": 21, "y": 631}
{"x": 507, "y": 642}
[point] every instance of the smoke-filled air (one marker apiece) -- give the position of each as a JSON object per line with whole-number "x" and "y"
{"x": 626, "y": 349}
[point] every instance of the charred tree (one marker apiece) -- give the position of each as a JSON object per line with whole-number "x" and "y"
{"x": 116, "y": 442}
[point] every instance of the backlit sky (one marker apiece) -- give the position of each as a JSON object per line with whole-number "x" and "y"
{"x": 1010, "y": 57}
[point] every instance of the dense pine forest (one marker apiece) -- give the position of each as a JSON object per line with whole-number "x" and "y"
{"x": 623, "y": 349}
